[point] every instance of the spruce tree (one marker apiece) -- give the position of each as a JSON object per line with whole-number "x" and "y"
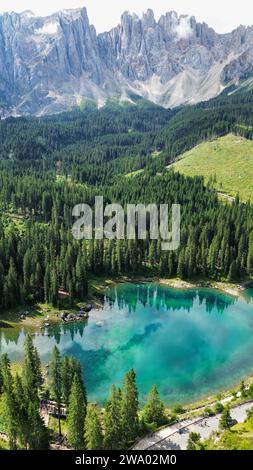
{"x": 153, "y": 411}
{"x": 250, "y": 255}
{"x": 93, "y": 429}
{"x": 78, "y": 370}
{"x": 233, "y": 271}
{"x": 112, "y": 421}
{"x": 54, "y": 287}
{"x": 1, "y": 377}
{"x": 56, "y": 381}
{"x": 38, "y": 433}
{"x": 76, "y": 415}
{"x": 31, "y": 372}
{"x": 129, "y": 410}
{"x": 243, "y": 389}
{"x": 11, "y": 287}
{"x": 23, "y": 423}
{"x": 10, "y": 405}
{"x": 66, "y": 375}
{"x": 32, "y": 432}
{"x": 225, "y": 419}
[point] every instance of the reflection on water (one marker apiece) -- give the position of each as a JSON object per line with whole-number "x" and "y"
{"x": 189, "y": 342}
{"x": 165, "y": 298}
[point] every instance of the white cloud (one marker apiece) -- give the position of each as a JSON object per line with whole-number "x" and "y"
{"x": 48, "y": 28}
{"x": 183, "y": 28}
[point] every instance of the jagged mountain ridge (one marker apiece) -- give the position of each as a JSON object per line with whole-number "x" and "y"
{"x": 48, "y": 64}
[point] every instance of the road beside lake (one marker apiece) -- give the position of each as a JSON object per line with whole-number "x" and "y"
{"x": 170, "y": 439}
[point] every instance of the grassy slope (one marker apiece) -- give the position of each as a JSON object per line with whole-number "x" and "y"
{"x": 230, "y": 158}
{"x": 239, "y": 437}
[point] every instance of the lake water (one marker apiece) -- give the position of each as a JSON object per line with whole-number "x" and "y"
{"x": 189, "y": 342}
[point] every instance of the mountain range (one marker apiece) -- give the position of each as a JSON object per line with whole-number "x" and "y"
{"x": 50, "y": 64}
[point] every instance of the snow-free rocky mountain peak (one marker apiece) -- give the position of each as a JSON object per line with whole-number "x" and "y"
{"x": 48, "y": 64}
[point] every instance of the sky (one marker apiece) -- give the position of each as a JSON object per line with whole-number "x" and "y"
{"x": 222, "y": 15}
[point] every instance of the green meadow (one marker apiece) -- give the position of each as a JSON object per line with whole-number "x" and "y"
{"x": 226, "y": 163}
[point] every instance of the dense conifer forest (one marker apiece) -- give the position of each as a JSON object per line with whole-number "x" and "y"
{"x": 49, "y": 164}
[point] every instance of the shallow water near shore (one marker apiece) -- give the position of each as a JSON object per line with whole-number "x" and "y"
{"x": 190, "y": 342}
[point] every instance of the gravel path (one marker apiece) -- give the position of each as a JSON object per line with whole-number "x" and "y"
{"x": 170, "y": 439}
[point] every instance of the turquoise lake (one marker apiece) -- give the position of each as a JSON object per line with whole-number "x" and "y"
{"x": 190, "y": 343}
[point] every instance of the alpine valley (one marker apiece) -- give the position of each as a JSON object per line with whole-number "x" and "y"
{"x": 114, "y": 342}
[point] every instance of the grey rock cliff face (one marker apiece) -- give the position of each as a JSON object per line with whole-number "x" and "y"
{"x": 49, "y": 64}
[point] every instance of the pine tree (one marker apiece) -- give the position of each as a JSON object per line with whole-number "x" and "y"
{"x": 69, "y": 368}
{"x": 1, "y": 377}
{"x": 66, "y": 375}
{"x": 153, "y": 411}
{"x": 10, "y": 406}
{"x": 76, "y": 415}
{"x": 112, "y": 421}
{"x": 212, "y": 257}
{"x": 56, "y": 381}
{"x": 38, "y": 433}
{"x": 78, "y": 371}
{"x": 93, "y": 429}
{"x": 47, "y": 284}
{"x": 119, "y": 255}
{"x": 225, "y": 419}
{"x": 81, "y": 285}
{"x": 22, "y": 400}
{"x": 27, "y": 271}
{"x": 193, "y": 441}
{"x": 181, "y": 268}
{"x": 11, "y": 287}
{"x": 129, "y": 409}
{"x": 233, "y": 272}
{"x": 54, "y": 288}
{"x": 243, "y": 389}
{"x": 46, "y": 206}
{"x": 31, "y": 372}
{"x": 250, "y": 255}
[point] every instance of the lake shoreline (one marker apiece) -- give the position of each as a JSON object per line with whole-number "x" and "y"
{"x": 41, "y": 313}
{"x": 101, "y": 285}
{"x": 233, "y": 289}
{"x": 228, "y": 395}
